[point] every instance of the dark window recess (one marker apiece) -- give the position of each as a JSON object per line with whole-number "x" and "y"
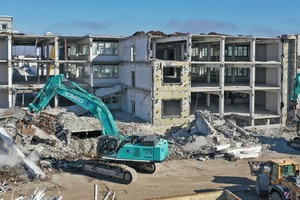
{"x": 171, "y": 108}
{"x": 172, "y": 74}
{"x": 133, "y": 78}
{"x": 4, "y": 26}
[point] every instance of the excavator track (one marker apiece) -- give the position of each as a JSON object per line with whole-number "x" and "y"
{"x": 147, "y": 167}
{"x": 114, "y": 171}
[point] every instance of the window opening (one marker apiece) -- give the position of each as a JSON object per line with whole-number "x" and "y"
{"x": 172, "y": 74}
{"x": 171, "y": 108}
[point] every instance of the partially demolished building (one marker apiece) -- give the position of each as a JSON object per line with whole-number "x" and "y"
{"x": 160, "y": 78}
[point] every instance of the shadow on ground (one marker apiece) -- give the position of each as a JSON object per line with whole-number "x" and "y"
{"x": 242, "y": 187}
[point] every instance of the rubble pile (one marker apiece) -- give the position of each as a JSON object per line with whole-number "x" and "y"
{"x": 208, "y": 137}
{"x": 63, "y": 137}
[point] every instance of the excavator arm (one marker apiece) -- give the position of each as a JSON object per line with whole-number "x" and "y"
{"x": 58, "y": 85}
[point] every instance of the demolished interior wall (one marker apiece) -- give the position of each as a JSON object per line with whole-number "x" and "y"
{"x": 170, "y": 91}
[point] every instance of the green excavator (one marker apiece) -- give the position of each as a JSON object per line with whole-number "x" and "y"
{"x": 118, "y": 156}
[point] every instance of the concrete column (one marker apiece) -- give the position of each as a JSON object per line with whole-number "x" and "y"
{"x": 91, "y": 64}
{"x": 288, "y": 69}
{"x": 56, "y": 54}
{"x": 91, "y": 75}
{"x": 10, "y": 70}
{"x": 38, "y": 66}
{"x": 56, "y": 65}
{"x": 252, "y": 94}
{"x": 153, "y": 50}
{"x": 208, "y": 100}
{"x": 221, "y": 96}
{"x": 252, "y": 50}
{"x": 182, "y": 52}
{"x": 48, "y": 71}
{"x": 47, "y": 52}
{"x": 232, "y": 74}
{"x": 222, "y": 49}
{"x": 222, "y": 77}
{"x": 252, "y": 81}
{"x": 208, "y": 74}
{"x": 189, "y": 49}
{"x": 66, "y": 49}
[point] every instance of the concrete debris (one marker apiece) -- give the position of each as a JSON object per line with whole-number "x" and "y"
{"x": 203, "y": 127}
{"x": 223, "y": 139}
{"x": 3, "y": 187}
{"x": 64, "y": 137}
{"x": 33, "y": 169}
{"x": 233, "y": 124}
{"x": 40, "y": 195}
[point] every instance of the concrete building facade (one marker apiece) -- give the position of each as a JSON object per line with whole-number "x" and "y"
{"x": 160, "y": 78}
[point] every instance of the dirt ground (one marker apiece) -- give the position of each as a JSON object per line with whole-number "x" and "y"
{"x": 174, "y": 177}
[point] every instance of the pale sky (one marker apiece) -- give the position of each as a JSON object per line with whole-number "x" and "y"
{"x": 125, "y": 17}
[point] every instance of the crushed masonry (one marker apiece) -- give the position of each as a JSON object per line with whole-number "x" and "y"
{"x": 61, "y": 137}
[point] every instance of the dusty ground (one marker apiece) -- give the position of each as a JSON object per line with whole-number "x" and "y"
{"x": 174, "y": 177}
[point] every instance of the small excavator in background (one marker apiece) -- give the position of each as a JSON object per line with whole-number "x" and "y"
{"x": 295, "y": 143}
{"x": 277, "y": 178}
{"x": 118, "y": 156}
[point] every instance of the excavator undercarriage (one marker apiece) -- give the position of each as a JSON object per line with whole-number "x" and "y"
{"x": 118, "y": 171}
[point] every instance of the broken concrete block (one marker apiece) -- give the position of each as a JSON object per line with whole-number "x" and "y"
{"x": 42, "y": 135}
{"x": 6, "y": 137}
{"x": 35, "y": 171}
{"x": 207, "y": 151}
{"x": 239, "y": 129}
{"x": 179, "y": 134}
{"x": 256, "y": 148}
{"x": 199, "y": 141}
{"x": 244, "y": 155}
{"x": 202, "y": 125}
{"x": 221, "y": 147}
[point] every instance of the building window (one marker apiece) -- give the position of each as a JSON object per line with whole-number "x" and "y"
{"x": 228, "y": 51}
{"x": 83, "y": 49}
{"x": 214, "y": 71}
{"x": 241, "y": 51}
{"x": 105, "y": 71}
{"x": 195, "y": 51}
{"x": 240, "y": 72}
{"x": 132, "y": 53}
{"x": 105, "y": 48}
{"x": 171, "y": 108}
{"x": 72, "y": 51}
{"x": 172, "y": 74}
{"x": 3, "y": 26}
{"x": 199, "y": 70}
{"x": 110, "y": 99}
{"x": 203, "y": 52}
{"x": 133, "y": 78}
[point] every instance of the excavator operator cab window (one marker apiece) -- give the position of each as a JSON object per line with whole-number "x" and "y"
{"x": 287, "y": 170}
{"x": 107, "y": 145}
{"x": 274, "y": 172}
